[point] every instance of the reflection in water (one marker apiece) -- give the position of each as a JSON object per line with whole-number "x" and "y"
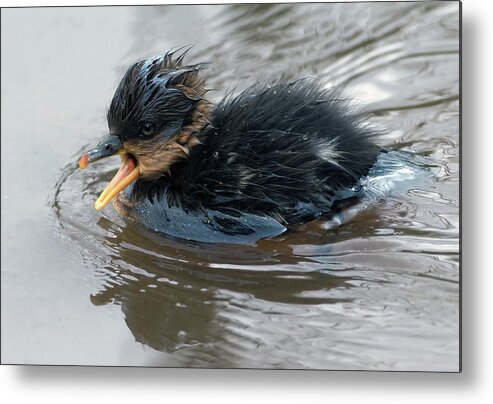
{"x": 169, "y": 303}
{"x": 380, "y": 292}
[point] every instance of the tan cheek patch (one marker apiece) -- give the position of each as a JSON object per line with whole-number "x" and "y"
{"x": 155, "y": 156}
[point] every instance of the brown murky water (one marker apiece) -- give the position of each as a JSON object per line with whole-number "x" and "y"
{"x": 83, "y": 287}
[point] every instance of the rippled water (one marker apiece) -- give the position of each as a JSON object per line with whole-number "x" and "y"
{"x": 84, "y": 287}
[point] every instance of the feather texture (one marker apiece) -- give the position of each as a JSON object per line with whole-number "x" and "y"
{"x": 285, "y": 151}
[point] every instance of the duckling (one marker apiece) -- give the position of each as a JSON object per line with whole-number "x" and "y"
{"x": 239, "y": 171}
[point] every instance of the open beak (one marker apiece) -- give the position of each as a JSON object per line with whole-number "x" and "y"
{"x": 127, "y": 173}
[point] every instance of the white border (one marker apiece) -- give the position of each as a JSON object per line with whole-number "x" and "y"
{"x": 94, "y": 385}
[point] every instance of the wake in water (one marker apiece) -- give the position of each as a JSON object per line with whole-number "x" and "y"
{"x": 393, "y": 174}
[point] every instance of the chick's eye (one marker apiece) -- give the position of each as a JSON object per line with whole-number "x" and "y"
{"x": 147, "y": 129}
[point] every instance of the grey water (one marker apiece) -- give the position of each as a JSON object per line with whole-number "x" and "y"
{"x": 379, "y": 292}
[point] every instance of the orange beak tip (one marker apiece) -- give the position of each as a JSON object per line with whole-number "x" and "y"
{"x": 84, "y": 161}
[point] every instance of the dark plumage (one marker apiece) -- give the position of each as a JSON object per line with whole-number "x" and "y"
{"x": 243, "y": 170}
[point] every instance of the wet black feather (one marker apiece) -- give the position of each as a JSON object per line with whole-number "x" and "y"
{"x": 148, "y": 93}
{"x": 287, "y": 151}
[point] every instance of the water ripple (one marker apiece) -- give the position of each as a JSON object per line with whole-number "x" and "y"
{"x": 381, "y": 291}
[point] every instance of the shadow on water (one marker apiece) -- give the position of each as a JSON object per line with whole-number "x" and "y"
{"x": 173, "y": 293}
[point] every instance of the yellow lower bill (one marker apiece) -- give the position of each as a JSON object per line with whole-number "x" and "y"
{"x": 127, "y": 173}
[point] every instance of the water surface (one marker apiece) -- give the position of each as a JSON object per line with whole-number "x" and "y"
{"x": 84, "y": 287}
